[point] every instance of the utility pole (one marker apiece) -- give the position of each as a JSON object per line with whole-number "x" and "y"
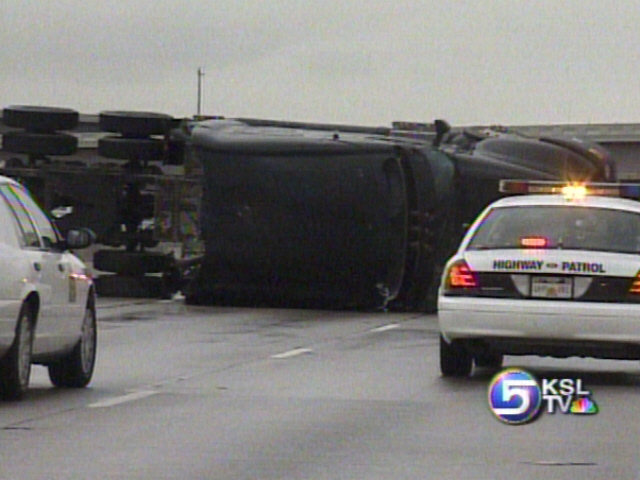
{"x": 200, "y": 77}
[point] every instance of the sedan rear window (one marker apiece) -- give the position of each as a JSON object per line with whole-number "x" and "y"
{"x": 561, "y": 227}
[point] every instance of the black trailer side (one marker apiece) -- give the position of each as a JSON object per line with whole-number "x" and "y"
{"x": 319, "y": 218}
{"x": 300, "y": 218}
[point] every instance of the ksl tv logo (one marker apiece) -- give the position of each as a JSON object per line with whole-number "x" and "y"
{"x": 517, "y": 397}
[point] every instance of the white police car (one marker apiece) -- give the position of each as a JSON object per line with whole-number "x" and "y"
{"x": 47, "y": 297}
{"x": 550, "y": 275}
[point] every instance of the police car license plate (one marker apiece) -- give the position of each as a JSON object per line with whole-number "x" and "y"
{"x": 551, "y": 287}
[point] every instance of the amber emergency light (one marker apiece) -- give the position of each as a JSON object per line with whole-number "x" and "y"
{"x": 571, "y": 190}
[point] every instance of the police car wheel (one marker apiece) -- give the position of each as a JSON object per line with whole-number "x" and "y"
{"x": 76, "y": 369}
{"x": 15, "y": 367}
{"x": 455, "y": 359}
{"x": 489, "y": 360}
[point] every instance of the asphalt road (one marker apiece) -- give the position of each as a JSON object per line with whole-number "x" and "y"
{"x": 219, "y": 393}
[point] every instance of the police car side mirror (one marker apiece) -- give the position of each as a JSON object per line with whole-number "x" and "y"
{"x": 80, "y": 238}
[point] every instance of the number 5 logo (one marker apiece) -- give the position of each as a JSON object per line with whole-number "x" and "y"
{"x": 514, "y": 396}
{"x": 513, "y": 388}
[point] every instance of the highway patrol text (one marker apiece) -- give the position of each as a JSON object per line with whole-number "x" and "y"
{"x": 569, "y": 267}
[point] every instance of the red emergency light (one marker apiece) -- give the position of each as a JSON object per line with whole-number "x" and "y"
{"x": 534, "y": 242}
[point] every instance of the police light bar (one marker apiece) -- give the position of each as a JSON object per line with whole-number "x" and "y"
{"x": 571, "y": 190}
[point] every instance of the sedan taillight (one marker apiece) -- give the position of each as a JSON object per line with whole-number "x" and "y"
{"x": 460, "y": 276}
{"x": 635, "y": 286}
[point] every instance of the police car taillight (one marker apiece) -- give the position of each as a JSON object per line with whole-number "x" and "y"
{"x": 460, "y": 275}
{"x": 635, "y": 286}
{"x": 572, "y": 191}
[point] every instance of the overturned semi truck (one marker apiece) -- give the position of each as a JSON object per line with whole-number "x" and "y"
{"x": 281, "y": 213}
{"x": 322, "y": 216}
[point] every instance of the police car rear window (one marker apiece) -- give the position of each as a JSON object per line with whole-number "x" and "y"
{"x": 559, "y": 227}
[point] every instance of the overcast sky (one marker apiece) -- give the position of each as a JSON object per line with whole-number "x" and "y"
{"x": 368, "y": 62}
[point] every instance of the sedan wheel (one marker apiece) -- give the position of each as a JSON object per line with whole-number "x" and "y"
{"x": 15, "y": 367}
{"x": 455, "y": 359}
{"x": 489, "y": 360}
{"x": 76, "y": 369}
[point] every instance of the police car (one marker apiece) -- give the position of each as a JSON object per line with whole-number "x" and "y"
{"x": 554, "y": 272}
{"x": 47, "y": 297}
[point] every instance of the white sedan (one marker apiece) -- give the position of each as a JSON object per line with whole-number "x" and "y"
{"x": 550, "y": 275}
{"x": 47, "y": 297}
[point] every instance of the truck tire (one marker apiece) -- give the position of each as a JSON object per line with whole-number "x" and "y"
{"x": 39, "y": 143}
{"x": 135, "y": 124}
{"x": 121, "y": 148}
{"x": 130, "y": 287}
{"x": 40, "y": 119}
{"x": 131, "y": 263}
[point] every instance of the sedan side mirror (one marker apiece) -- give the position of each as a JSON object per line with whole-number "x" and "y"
{"x": 79, "y": 238}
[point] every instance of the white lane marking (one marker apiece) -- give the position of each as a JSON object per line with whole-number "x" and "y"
{"x": 292, "y": 353}
{"x": 384, "y": 328}
{"x": 129, "y": 397}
